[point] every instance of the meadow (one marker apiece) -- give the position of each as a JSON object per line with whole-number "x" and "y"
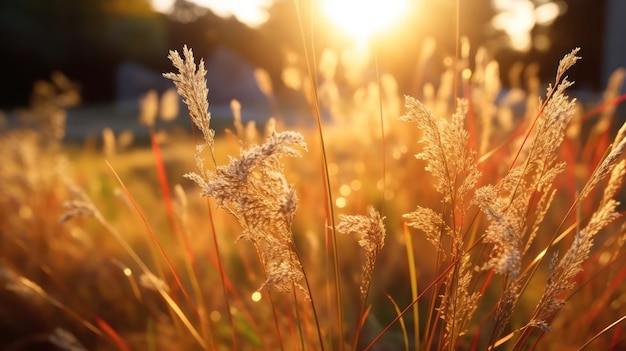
{"x": 468, "y": 218}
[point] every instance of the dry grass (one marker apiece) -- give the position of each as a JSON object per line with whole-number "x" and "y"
{"x": 516, "y": 239}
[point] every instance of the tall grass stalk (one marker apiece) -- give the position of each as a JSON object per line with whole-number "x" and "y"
{"x": 603, "y": 331}
{"x": 330, "y": 212}
{"x": 183, "y": 239}
{"x": 413, "y": 279}
{"x": 222, "y": 274}
{"x": 168, "y": 299}
{"x": 362, "y": 314}
{"x": 191, "y": 85}
{"x": 405, "y": 334}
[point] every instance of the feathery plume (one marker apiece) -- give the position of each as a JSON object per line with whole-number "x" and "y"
{"x": 458, "y": 305}
{"x": 607, "y": 164}
{"x": 254, "y": 190}
{"x": 563, "y": 271}
{"x": 82, "y": 206}
{"x": 372, "y": 231}
{"x": 430, "y": 222}
{"x": 148, "y": 108}
{"x": 191, "y": 85}
{"x": 567, "y": 62}
{"x": 508, "y": 204}
{"x": 449, "y": 159}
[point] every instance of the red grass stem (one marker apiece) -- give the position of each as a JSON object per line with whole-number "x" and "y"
{"x": 220, "y": 269}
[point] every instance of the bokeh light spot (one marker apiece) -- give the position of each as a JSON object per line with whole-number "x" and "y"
{"x": 345, "y": 190}
{"x": 215, "y": 316}
{"x": 341, "y": 202}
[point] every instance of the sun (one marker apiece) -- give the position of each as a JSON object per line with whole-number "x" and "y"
{"x": 360, "y": 19}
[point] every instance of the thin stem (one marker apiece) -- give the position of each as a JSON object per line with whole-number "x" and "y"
{"x": 330, "y": 213}
{"x": 298, "y": 318}
{"x": 315, "y": 317}
{"x": 175, "y": 226}
{"x": 382, "y": 130}
{"x": 609, "y": 327}
{"x": 220, "y": 269}
{"x": 407, "y": 308}
{"x": 457, "y": 42}
{"x": 363, "y": 304}
{"x": 133, "y": 254}
{"x": 275, "y": 317}
{"x": 414, "y": 282}
{"x": 435, "y": 282}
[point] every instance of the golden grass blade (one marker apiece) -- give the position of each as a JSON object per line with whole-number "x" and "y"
{"x": 330, "y": 213}
{"x": 503, "y": 340}
{"x": 155, "y": 240}
{"x": 172, "y": 304}
{"x": 24, "y": 286}
{"x": 413, "y": 279}
{"x": 609, "y": 327}
{"x": 405, "y": 335}
{"x": 223, "y": 279}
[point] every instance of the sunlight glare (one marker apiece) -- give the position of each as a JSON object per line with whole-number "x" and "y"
{"x": 517, "y": 21}
{"x": 162, "y": 6}
{"x": 517, "y": 18}
{"x": 545, "y": 14}
{"x": 361, "y": 19}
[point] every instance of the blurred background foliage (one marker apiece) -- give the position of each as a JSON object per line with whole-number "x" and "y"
{"x": 88, "y": 40}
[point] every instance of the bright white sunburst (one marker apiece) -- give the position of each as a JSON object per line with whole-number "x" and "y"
{"x": 360, "y": 19}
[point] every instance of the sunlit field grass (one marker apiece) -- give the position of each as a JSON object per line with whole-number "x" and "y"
{"x": 503, "y": 233}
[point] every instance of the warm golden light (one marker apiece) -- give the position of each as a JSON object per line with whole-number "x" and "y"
{"x": 517, "y": 18}
{"x": 361, "y": 19}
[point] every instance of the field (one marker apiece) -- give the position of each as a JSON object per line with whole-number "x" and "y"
{"x": 469, "y": 219}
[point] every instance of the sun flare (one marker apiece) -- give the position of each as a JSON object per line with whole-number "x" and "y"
{"x": 361, "y": 19}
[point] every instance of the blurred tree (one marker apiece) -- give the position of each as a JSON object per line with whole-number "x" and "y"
{"x": 83, "y": 39}
{"x": 256, "y": 47}
{"x": 581, "y": 24}
{"x": 87, "y": 40}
